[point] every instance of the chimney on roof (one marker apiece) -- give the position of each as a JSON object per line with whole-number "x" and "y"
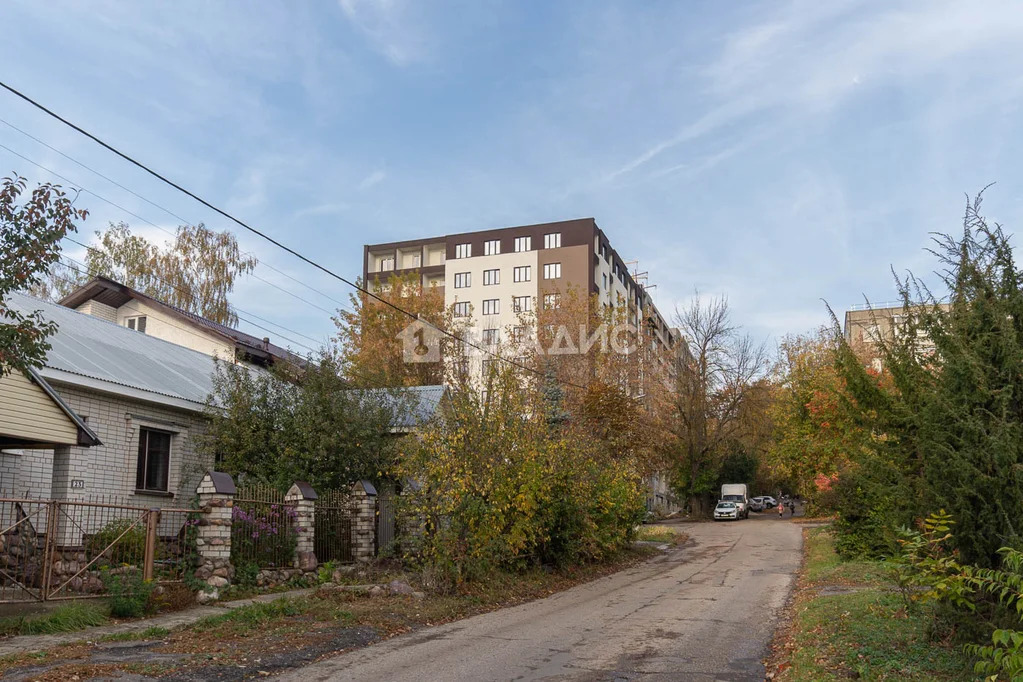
{"x": 266, "y": 343}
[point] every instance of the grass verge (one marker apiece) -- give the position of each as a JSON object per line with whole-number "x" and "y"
{"x": 847, "y": 621}
{"x": 65, "y": 618}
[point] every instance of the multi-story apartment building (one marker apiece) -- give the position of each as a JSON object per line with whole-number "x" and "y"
{"x": 490, "y": 276}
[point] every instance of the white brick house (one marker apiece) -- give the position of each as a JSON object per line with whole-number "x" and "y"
{"x": 142, "y": 397}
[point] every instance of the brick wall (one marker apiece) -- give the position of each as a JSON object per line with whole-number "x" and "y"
{"x": 109, "y": 469}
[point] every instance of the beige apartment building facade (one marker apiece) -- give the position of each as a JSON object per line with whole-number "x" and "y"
{"x": 490, "y": 277}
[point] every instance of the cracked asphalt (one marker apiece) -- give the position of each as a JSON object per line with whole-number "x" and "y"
{"x": 705, "y": 611}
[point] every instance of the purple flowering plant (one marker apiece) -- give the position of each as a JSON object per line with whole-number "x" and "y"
{"x": 263, "y": 534}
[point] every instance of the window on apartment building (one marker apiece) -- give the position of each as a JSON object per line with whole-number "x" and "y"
{"x": 522, "y": 304}
{"x": 603, "y": 251}
{"x": 552, "y": 240}
{"x": 492, "y": 247}
{"x": 605, "y": 280}
{"x": 136, "y": 323}
{"x": 523, "y": 244}
{"x": 154, "y": 460}
{"x": 491, "y": 336}
{"x": 491, "y": 277}
{"x": 551, "y": 301}
{"x": 518, "y": 333}
{"x": 491, "y": 306}
{"x": 463, "y": 280}
{"x": 460, "y": 309}
{"x": 552, "y": 271}
{"x": 521, "y": 273}
{"x": 387, "y": 263}
{"x": 463, "y": 250}
{"x": 488, "y": 367}
{"x": 461, "y": 368}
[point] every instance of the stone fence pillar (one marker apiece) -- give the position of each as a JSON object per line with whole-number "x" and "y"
{"x": 302, "y": 496}
{"x": 364, "y": 521}
{"x": 216, "y": 496}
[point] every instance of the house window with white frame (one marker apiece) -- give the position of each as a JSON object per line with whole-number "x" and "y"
{"x": 491, "y": 306}
{"x": 492, "y": 247}
{"x": 551, "y": 301}
{"x": 491, "y": 337}
{"x": 491, "y": 277}
{"x": 522, "y": 304}
{"x": 463, "y": 280}
{"x": 460, "y": 309}
{"x": 552, "y": 271}
{"x": 523, "y": 244}
{"x": 552, "y": 240}
{"x": 521, "y": 273}
{"x": 518, "y": 333}
{"x": 136, "y": 323}
{"x": 154, "y": 453}
{"x": 463, "y": 250}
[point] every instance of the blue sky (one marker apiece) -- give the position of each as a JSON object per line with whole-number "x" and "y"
{"x": 779, "y": 153}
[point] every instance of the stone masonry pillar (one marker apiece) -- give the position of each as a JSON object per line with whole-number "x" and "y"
{"x": 364, "y": 522}
{"x": 216, "y": 496}
{"x": 302, "y": 496}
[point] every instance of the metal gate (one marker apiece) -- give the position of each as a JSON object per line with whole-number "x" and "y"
{"x": 386, "y": 521}
{"x": 63, "y": 549}
{"x": 332, "y": 536}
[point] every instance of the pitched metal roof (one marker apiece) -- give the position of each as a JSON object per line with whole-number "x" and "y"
{"x": 412, "y": 405}
{"x": 94, "y": 353}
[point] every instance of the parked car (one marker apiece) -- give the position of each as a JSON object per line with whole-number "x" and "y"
{"x": 726, "y": 510}
{"x": 769, "y": 501}
{"x": 756, "y": 504}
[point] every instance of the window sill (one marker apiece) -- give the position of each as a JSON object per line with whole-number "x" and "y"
{"x": 153, "y": 493}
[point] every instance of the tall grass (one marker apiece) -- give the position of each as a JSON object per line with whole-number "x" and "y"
{"x": 75, "y": 615}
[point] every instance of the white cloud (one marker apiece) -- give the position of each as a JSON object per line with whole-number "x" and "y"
{"x": 385, "y": 24}
{"x": 374, "y": 178}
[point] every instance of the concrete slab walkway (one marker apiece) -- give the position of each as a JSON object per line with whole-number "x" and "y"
{"x": 27, "y": 644}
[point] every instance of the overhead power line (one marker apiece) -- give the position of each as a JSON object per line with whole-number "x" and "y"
{"x": 104, "y": 199}
{"x": 154, "y": 204}
{"x": 263, "y": 235}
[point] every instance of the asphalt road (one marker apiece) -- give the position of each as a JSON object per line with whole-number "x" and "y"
{"x": 705, "y": 611}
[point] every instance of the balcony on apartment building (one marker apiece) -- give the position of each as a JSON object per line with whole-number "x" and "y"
{"x": 428, "y": 259}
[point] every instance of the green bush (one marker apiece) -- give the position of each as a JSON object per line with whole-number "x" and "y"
{"x": 246, "y": 573}
{"x": 129, "y": 594}
{"x": 128, "y": 548}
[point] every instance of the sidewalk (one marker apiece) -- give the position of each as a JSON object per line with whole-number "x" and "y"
{"x": 27, "y": 644}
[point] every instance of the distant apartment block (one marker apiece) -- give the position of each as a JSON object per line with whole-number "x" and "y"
{"x": 871, "y": 323}
{"x": 490, "y": 276}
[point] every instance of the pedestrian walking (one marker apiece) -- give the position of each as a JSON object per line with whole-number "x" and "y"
{"x": 781, "y": 510}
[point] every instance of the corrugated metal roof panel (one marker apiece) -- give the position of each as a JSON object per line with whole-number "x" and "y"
{"x": 91, "y": 347}
{"x": 413, "y": 405}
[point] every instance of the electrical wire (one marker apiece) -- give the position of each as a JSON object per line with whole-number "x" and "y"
{"x": 82, "y": 188}
{"x": 267, "y": 237}
{"x": 156, "y": 205}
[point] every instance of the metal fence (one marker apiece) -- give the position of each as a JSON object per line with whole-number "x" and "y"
{"x": 69, "y": 549}
{"x": 386, "y": 521}
{"x": 332, "y": 539}
{"x": 262, "y": 528}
